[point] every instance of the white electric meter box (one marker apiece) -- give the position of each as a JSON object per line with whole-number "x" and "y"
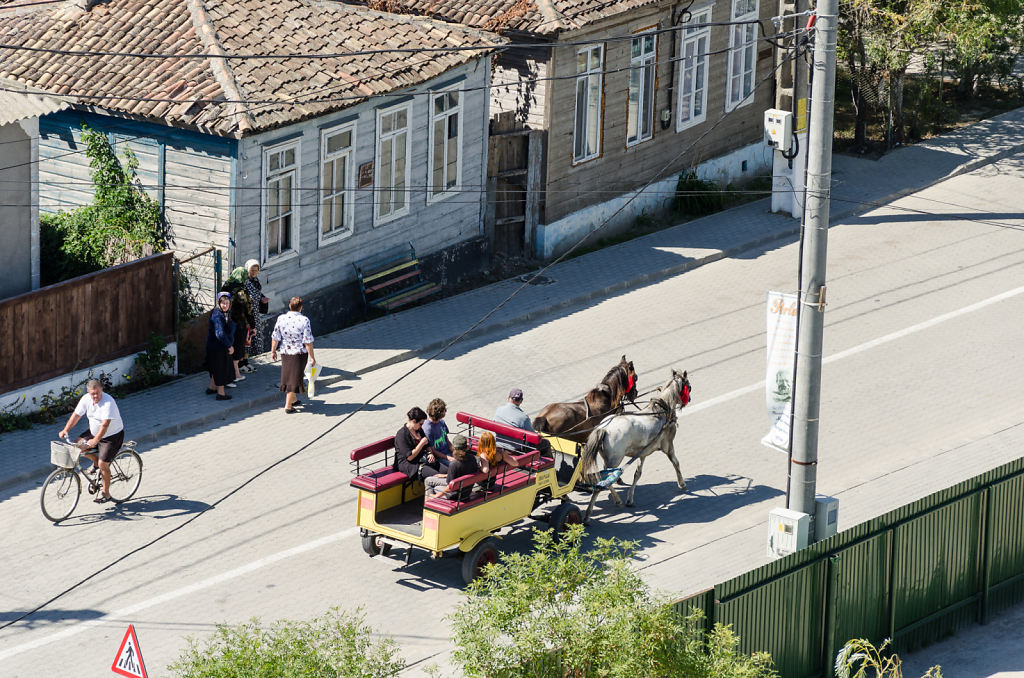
{"x": 778, "y": 129}
{"x": 788, "y": 532}
{"x": 826, "y": 517}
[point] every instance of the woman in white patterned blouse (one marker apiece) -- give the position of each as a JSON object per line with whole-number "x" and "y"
{"x": 294, "y": 336}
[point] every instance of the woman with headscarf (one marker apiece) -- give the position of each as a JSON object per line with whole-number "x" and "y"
{"x": 241, "y": 315}
{"x": 260, "y": 306}
{"x": 219, "y": 340}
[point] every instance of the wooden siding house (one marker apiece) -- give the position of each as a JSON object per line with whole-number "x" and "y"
{"x": 307, "y": 165}
{"x": 626, "y": 91}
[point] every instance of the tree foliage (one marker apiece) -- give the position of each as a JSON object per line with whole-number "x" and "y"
{"x": 563, "y": 611}
{"x": 333, "y": 645}
{"x": 121, "y": 224}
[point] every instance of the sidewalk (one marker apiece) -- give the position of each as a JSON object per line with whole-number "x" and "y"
{"x": 857, "y": 186}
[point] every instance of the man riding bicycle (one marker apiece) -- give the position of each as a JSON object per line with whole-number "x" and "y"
{"x": 105, "y": 432}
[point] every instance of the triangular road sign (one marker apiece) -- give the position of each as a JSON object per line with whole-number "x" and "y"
{"x": 128, "y": 661}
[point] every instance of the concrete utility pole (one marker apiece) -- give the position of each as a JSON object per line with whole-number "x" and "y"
{"x": 791, "y": 84}
{"x": 807, "y": 394}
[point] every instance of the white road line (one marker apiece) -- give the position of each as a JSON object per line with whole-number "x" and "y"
{"x": 337, "y": 536}
{"x": 127, "y": 612}
{"x": 893, "y": 336}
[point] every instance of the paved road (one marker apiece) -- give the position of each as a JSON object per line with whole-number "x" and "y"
{"x": 924, "y": 386}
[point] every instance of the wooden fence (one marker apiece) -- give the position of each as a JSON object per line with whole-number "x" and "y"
{"x": 85, "y": 321}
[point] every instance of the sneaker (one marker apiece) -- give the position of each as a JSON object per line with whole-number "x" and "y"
{"x": 248, "y": 369}
{"x": 231, "y": 385}
{"x": 240, "y": 377}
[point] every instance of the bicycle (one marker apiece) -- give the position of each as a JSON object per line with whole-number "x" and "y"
{"x": 63, "y": 487}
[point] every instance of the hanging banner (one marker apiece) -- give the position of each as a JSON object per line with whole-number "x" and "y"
{"x": 778, "y": 438}
{"x": 778, "y": 380}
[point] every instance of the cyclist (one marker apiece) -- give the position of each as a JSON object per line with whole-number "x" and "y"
{"x": 105, "y": 432}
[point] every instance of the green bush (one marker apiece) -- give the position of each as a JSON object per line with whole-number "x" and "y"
{"x": 121, "y": 224}
{"x": 697, "y": 197}
{"x": 330, "y": 646}
{"x": 560, "y": 611}
{"x": 150, "y": 364}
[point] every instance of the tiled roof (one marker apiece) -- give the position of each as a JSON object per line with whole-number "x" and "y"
{"x": 540, "y": 17}
{"x": 204, "y": 90}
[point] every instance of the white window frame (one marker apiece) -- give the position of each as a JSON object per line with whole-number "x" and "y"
{"x": 349, "y": 179}
{"x": 646, "y": 60}
{"x": 459, "y": 109}
{"x": 378, "y": 190}
{"x": 689, "y": 72}
{"x": 268, "y": 176}
{"x": 586, "y": 77}
{"x": 742, "y": 68}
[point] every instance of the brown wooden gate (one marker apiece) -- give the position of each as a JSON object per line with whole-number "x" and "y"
{"x": 513, "y": 185}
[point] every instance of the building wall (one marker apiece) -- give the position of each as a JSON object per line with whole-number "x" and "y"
{"x": 520, "y": 84}
{"x": 325, "y": 266}
{"x": 619, "y": 168}
{"x": 16, "y": 222}
{"x": 188, "y": 173}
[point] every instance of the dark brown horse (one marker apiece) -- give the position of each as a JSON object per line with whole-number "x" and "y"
{"x": 575, "y": 420}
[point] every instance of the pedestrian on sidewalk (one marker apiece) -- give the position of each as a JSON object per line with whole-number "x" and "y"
{"x": 294, "y": 336}
{"x": 241, "y": 315}
{"x": 219, "y": 347}
{"x": 105, "y": 433}
{"x": 260, "y": 307}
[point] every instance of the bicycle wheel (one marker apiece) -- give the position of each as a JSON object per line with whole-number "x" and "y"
{"x": 60, "y": 494}
{"x": 125, "y": 475}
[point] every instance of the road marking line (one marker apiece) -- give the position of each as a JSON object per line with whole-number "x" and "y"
{"x": 337, "y": 536}
{"x": 127, "y": 612}
{"x": 892, "y": 336}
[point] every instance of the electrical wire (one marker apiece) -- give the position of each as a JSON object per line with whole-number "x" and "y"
{"x": 525, "y": 284}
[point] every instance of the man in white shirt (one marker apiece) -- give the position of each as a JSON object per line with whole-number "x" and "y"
{"x": 105, "y": 432}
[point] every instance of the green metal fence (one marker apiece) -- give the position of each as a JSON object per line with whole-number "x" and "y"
{"x": 914, "y": 575}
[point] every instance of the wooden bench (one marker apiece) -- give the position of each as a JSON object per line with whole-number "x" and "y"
{"x": 393, "y": 280}
{"x": 382, "y": 477}
{"x": 506, "y": 479}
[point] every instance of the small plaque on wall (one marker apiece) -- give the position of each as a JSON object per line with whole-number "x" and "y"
{"x": 366, "y": 174}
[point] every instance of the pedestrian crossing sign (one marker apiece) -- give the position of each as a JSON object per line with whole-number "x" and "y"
{"x": 128, "y": 661}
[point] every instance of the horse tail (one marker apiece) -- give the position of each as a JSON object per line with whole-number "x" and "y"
{"x": 590, "y": 451}
{"x": 540, "y": 425}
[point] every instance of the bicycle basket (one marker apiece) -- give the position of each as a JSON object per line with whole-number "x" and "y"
{"x": 64, "y": 455}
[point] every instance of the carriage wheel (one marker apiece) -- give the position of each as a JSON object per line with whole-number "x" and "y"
{"x": 484, "y": 553}
{"x": 374, "y": 545}
{"x": 563, "y": 516}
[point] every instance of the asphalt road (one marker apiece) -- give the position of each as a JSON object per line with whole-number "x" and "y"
{"x": 923, "y": 386}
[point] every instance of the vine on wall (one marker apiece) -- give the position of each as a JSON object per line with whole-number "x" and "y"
{"x": 121, "y": 224}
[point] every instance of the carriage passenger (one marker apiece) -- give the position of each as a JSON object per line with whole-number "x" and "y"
{"x": 413, "y": 455}
{"x": 463, "y": 464}
{"x": 436, "y": 431}
{"x": 490, "y": 456}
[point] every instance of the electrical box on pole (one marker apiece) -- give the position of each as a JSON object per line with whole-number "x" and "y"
{"x": 778, "y": 129}
{"x": 788, "y": 532}
{"x": 826, "y": 517}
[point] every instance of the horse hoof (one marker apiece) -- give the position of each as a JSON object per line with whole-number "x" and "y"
{"x": 629, "y": 503}
{"x": 682, "y": 488}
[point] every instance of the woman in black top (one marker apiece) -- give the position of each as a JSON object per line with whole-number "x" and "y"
{"x": 414, "y": 456}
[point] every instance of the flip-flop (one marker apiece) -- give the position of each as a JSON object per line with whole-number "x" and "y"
{"x": 101, "y": 500}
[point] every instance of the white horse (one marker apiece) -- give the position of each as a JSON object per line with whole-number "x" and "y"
{"x": 639, "y": 434}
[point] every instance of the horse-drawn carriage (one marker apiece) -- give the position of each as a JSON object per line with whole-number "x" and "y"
{"x": 392, "y": 509}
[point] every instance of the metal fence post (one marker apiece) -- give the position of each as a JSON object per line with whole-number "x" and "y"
{"x": 177, "y": 311}
{"x": 218, "y": 271}
{"x": 986, "y": 555}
